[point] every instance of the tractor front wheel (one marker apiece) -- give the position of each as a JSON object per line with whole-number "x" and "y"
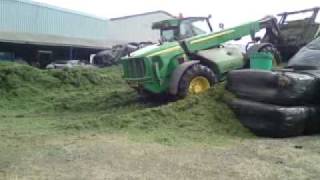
{"x": 197, "y": 79}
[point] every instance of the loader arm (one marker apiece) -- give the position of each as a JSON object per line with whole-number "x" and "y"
{"x": 198, "y": 43}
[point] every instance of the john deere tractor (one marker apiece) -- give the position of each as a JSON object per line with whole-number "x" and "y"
{"x": 190, "y": 58}
{"x": 182, "y": 28}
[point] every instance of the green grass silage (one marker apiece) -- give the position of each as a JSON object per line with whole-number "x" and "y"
{"x": 99, "y": 100}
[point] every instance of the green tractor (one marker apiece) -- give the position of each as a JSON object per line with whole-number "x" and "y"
{"x": 190, "y": 58}
{"x": 182, "y": 28}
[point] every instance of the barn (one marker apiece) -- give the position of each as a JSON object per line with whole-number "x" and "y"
{"x": 39, "y": 33}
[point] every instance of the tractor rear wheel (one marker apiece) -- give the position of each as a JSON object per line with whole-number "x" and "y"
{"x": 147, "y": 96}
{"x": 197, "y": 79}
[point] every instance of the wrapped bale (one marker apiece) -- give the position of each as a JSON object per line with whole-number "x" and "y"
{"x": 276, "y": 121}
{"x": 278, "y": 87}
{"x": 297, "y": 85}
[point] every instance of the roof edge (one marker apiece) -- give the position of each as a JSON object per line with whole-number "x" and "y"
{"x": 141, "y": 14}
{"x": 51, "y": 40}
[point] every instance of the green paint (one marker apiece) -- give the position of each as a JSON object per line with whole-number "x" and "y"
{"x": 167, "y": 56}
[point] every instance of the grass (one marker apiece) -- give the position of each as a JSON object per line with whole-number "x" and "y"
{"x": 75, "y": 120}
{"x": 99, "y": 100}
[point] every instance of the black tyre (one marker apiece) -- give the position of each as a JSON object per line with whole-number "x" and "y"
{"x": 197, "y": 79}
{"x": 270, "y": 120}
{"x": 277, "y": 87}
{"x": 104, "y": 59}
{"x": 108, "y": 60}
{"x": 146, "y": 96}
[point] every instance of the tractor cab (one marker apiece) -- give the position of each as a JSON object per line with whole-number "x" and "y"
{"x": 181, "y": 28}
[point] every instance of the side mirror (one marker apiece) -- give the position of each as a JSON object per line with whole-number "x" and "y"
{"x": 209, "y": 16}
{"x": 221, "y": 26}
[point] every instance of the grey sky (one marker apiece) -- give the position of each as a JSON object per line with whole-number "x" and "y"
{"x": 231, "y": 12}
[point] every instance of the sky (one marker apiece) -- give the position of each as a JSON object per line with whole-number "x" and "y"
{"x": 229, "y": 12}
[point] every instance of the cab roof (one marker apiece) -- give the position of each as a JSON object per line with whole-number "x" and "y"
{"x": 169, "y": 23}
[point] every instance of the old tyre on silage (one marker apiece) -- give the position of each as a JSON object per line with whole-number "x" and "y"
{"x": 104, "y": 58}
{"x": 271, "y": 120}
{"x": 278, "y": 87}
{"x": 195, "y": 80}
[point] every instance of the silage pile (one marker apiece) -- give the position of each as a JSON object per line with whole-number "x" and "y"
{"x": 108, "y": 104}
{"x": 22, "y": 80}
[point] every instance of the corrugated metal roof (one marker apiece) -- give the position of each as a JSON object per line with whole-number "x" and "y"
{"x": 44, "y": 5}
{"x": 142, "y": 14}
{"x": 51, "y": 40}
{"x": 25, "y": 17}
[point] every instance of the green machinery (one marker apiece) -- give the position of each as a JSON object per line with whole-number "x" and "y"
{"x": 298, "y": 28}
{"x": 179, "y": 29}
{"x": 190, "y": 58}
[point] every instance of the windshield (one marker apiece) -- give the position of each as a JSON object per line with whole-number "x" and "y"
{"x": 168, "y": 35}
{"x": 188, "y": 28}
{"x": 191, "y": 27}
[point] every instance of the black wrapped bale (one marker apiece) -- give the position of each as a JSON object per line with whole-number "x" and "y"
{"x": 278, "y": 87}
{"x": 276, "y": 121}
{"x": 312, "y": 125}
{"x": 308, "y": 57}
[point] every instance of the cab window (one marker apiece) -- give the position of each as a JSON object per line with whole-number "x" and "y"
{"x": 189, "y": 28}
{"x": 168, "y": 35}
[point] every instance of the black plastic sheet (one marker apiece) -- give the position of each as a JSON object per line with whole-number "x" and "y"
{"x": 276, "y": 121}
{"x": 308, "y": 56}
{"x": 279, "y": 87}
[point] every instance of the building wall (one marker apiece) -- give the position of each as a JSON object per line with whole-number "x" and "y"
{"x": 137, "y": 28}
{"x": 30, "y": 17}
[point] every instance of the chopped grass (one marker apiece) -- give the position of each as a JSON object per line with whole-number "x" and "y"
{"x": 204, "y": 118}
{"x": 38, "y": 106}
{"x": 70, "y": 101}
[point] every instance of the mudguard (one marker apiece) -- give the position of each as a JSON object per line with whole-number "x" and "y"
{"x": 177, "y": 74}
{"x": 278, "y": 87}
{"x": 276, "y": 121}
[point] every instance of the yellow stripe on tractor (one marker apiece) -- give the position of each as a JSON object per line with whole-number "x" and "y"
{"x": 212, "y": 37}
{"x": 175, "y": 48}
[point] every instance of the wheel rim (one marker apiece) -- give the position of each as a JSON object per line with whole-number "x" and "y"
{"x": 199, "y": 85}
